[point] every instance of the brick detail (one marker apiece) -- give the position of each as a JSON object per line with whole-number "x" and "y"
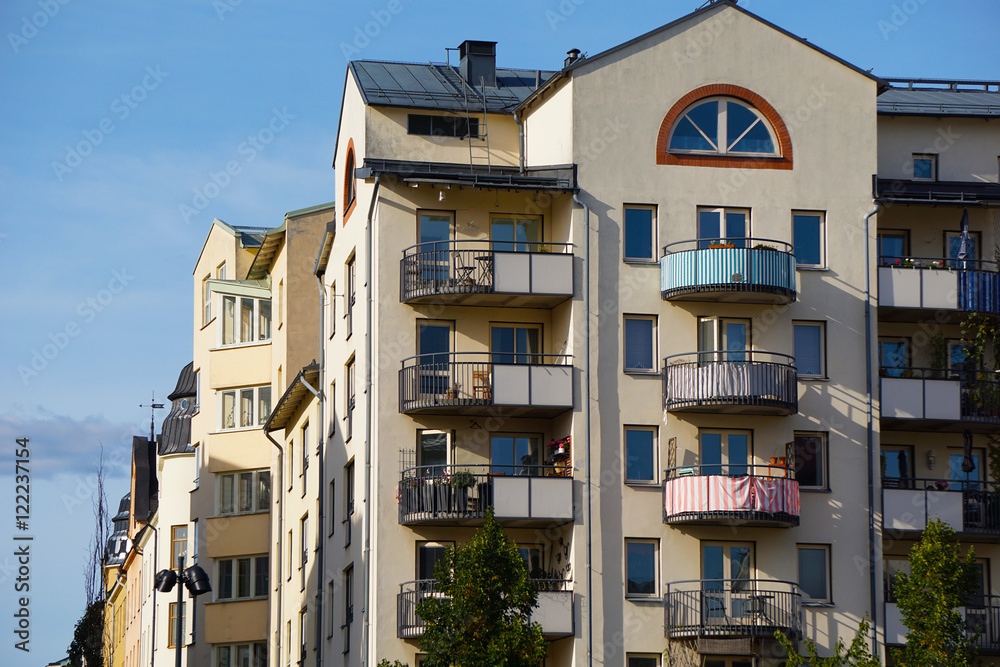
{"x": 663, "y": 156}
{"x": 349, "y": 160}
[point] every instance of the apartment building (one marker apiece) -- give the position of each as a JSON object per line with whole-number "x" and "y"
{"x": 114, "y": 586}
{"x": 937, "y": 247}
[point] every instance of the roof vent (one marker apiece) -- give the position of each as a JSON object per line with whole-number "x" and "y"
{"x": 477, "y": 63}
{"x": 571, "y": 57}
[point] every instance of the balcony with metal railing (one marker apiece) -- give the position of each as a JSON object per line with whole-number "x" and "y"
{"x": 747, "y": 270}
{"x": 479, "y": 383}
{"x": 910, "y": 286}
{"x": 554, "y": 611}
{"x": 971, "y": 508}
{"x": 732, "y": 608}
{"x": 937, "y": 399}
{"x": 724, "y": 381}
{"x": 981, "y": 618}
{"x": 459, "y": 495}
{"x": 487, "y": 273}
{"x": 731, "y": 495}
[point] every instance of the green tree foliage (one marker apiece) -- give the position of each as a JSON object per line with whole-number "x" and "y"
{"x": 482, "y": 618}
{"x": 857, "y": 655}
{"x": 940, "y": 582}
{"x": 88, "y": 637}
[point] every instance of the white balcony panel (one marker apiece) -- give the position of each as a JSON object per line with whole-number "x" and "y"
{"x": 551, "y": 273}
{"x": 947, "y": 506}
{"x": 903, "y": 509}
{"x": 512, "y": 272}
{"x": 942, "y": 399}
{"x": 511, "y": 384}
{"x": 898, "y": 288}
{"x": 552, "y": 386}
{"x": 895, "y": 631}
{"x": 511, "y": 497}
{"x": 552, "y": 498}
{"x": 902, "y": 398}
{"x": 554, "y": 612}
{"x": 940, "y": 288}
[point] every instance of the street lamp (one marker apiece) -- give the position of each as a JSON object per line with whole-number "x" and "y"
{"x": 195, "y": 580}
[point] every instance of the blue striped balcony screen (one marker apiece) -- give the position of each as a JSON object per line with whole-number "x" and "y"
{"x": 727, "y": 268}
{"x": 978, "y": 291}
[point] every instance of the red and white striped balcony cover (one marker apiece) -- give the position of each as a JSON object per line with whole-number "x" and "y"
{"x": 718, "y": 493}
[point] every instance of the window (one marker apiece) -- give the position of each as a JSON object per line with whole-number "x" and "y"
{"x": 242, "y": 578}
{"x": 291, "y": 550}
{"x": 723, "y": 226}
{"x": 348, "y": 501}
{"x": 521, "y": 234}
{"x": 304, "y": 547}
{"x": 811, "y": 460}
{"x": 280, "y": 306}
{"x": 533, "y": 556}
{"x": 251, "y": 325}
{"x": 433, "y": 452}
{"x": 640, "y": 343}
{"x": 814, "y": 572}
{"x": 640, "y": 568}
{"x": 348, "y": 606}
{"x": 893, "y": 246}
{"x": 244, "y": 492}
{"x": 241, "y": 655}
{"x": 349, "y": 401}
{"x": 429, "y": 554}
{"x": 807, "y": 238}
{"x": 305, "y": 456}
{"x": 206, "y": 297}
{"x": 333, "y": 505}
{"x": 172, "y": 634}
{"x": 893, "y": 356}
{"x": 254, "y": 407}
{"x": 924, "y": 167}
{"x": 896, "y": 462}
{"x": 722, "y": 661}
{"x": 515, "y": 344}
{"x": 960, "y": 356}
{"x": 640, "y": 455}
{"x": 810, "y": 348}
{"x": 638, "y": 660}
{"x": 291, "y": 464}
{"x": 178, "y": 550}
{"x": 441, "y": 126}
{"x": 332, "y": 402}
{"x": 303, "y": 634}
{"x": 330, "y": 589}
{"x": 639, "y": 233}
{"x": 515, "y": 454}
{"x": 350, "y": 184}
{"x": 220, "y": 271}
{"x": 725, "y": 452}
{"x": 953, "y": 246}
{"x": 892, "y": 567}
{"x": 332, "y": 309}
{"x": 725, "y": 126}
{"x": 351, "y": 275}
{"x": 723, "y": 339}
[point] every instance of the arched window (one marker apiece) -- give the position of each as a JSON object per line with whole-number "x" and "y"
{"x": 725, "y": 126}
{"x": 722, "y": 125}
{"x": 350, "y": 191}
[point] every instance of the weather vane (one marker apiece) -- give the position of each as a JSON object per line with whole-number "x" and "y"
{"x": 153, "y": 405}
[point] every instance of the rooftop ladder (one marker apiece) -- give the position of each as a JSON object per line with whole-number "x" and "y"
{"x": 479, "y": 145}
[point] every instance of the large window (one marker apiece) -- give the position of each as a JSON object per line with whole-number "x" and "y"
{"x": 723, "y": 339}
{"x": 640, "y": 343}
{"x": 639, "y": 233}
{"x": 433, "y": 452}
{"x": 245, "y": 408}
{"x": 814, "y": 573}
{"x": 442, "y": 126}
{"x": 243, "y": 578}
{"x": 893, "y": 246}
{"x": 896, "y": 463}
{"x": 178, "y": 546}
{"x": 429, "y": 554}
{"x": 245, "y": 320}
{"x": 723, "y": 125}
{"x": 811, "y": 460}
{"x": 244, "y": 492}
{"x": 810, "y": 348}
{"x": 807, "y": 237}
{"x": 725, "y": 452}
{"x": 726, "y": 226}
{"x": 521, "y": 233}
{"x": 641, "y": 568}
{"x": 640, "y": 455}
{"x": 893, "y": 355}
{"x": 241, "y": 655}
{"x": 515, "y": 343}
{"x": 514, "y": 454}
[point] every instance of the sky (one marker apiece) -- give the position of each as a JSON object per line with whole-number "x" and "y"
{"x": 120, "y": 119}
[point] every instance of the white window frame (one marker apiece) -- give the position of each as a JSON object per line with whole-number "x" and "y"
{"x": 826, "y": 549}
{"x": 256, "y": 494}
{"x": 656, "y": 567}
{"x": 233, "y": 649}
{"x": 823, "y": 454}
{"x": 652, "y": 231}
{"x": 639, "y": 371}
{"x": 255, "y": 566}
{"x": 206, "y": 292}
{"x": 257, "y": 420}
{"x": 930, "y": 157}
{"x": 822, "y": 239}
{"x": 655, "y": 453}
{"x": 723, "y": 140}
{"x": 817, "y": 324}
{"x": 255, "y": 321}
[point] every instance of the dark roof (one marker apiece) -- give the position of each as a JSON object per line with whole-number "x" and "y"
{"x": 940, "y": 97}
{"x": 937, "y": 192}
{"x": 555, "y": 177}
{"x": 185, "y": 384}
{"x": 250, "y": 237}
{"x": 439, "y": 86}
{"x": 290, "y": 401}
{"x": 175, "y": 433}
{"x": 124, "y": 506}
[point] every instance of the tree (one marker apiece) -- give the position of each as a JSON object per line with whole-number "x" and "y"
{"x": 482, "y": 617}
{"x": 857, "y": 655}
{"x": 87, "y": 647}
{"x": 940, "y": 582}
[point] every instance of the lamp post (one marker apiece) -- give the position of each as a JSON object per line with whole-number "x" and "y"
{"x": 195, "y": 580}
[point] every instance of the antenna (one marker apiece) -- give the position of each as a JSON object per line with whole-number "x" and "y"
{"x": 153, "y": 405}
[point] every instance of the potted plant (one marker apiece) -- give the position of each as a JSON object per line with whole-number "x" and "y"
{"x": 721, "y": 243}
{"x": 460, "y": 482}
{"x": 560, "y": 446}
{"x": 452, "y": 393}
{"x": 765, "y": 246}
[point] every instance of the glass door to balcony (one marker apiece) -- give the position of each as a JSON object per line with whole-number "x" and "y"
{"x": 730, "y": 336}
{"x": 434, "y": 348}
{"x": 437, "y": 231}
{"x": 515, "y": 343}
{"x": 519, "y": 234}
{"x": 726, "y": 452}
{"x": 897, "y": 467}
{"x": 966, "y": 481}
{"x": 723, "y": 226}
{"x": 433, "y": 452}
{"x": 514, "y": 454}
{"x": 893, "y": 356}
{"x": 727, "y": 572}
{"x": 893, "y": 246}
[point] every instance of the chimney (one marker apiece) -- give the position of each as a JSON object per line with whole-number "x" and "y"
{"x": 477, "y": 63}
{"x": 571, "y": 57}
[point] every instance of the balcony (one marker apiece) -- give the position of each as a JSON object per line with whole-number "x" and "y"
{"x": 484, "y": 273}
{"x": 731, "y": 495}
{"x": 459, "y": 495}
{"x": 473, "y": 383}
{"x": 907, "y": 288}
{"x": 732, "y": 608}
{"x": 971, "y": 508}
{"x": 933, "y": 399}
{"x": 554, "y": 611}
{"x": 745, "y": 382}
{"x": 982, "y": 623}
{"x": 746, "y": 271}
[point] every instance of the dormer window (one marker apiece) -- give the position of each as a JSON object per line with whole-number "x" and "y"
{"x": 723, "y": 126}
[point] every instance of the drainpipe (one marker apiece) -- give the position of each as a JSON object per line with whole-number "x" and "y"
{"x": 520, "y": 142}
{"x": 586, "y": 425}
{"x": 281, "y": 515}
{"x": 369, "y": 257}
{"x": 870, "y": 408}
{"x": 321, "y": 483}
{"x": 152, "y": 635}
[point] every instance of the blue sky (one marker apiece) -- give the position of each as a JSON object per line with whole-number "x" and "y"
{"x": 119, "y": 118}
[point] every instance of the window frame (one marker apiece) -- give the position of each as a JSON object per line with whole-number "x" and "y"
{"x": 255, "y": 648}
{"x": 303, "y": 547}
{"x": 705, "y": 241}
{"x": 722, "y": 139}
{"x": 827, "y": 550}
{"x": 652, "y": 370}
{"x": 907, "y": 343}
{"x": 655, "y": 543}
{"x": 256, "y": 321}
{"x": 172, "y": 625}
{"x": 350, "y": 294}
{"x": 815, "y": 324}
{"x": 440, "y": 128}
{"x": 350, "y": 398}
{"x": 642, "y": 656}
{"x": 174, "y": 541}
{"x": 821, "y": 240}
{"x": 256, "y": 491}
{"x": 904, "y": 234}
{"x": 824, "y": 457}
{"x": 639, "y": 259}
{"x": 257, "y": 420}
{"x": 516, "y": 220}
{"x": 654, "y": 480}
{"x": 534, "y": 358}
{"x": 304, "y": 431}
{"x": 929, "y": 157}
{"x": 253, "y": 574}
{"x": 977, "y": 238}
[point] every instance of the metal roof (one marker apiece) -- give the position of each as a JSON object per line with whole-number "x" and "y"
{"x": 185, "y": 384}
{"x": 269, "y": 245}
{"x": 937, "y": 192}
{"x": 941, "y": 97}
{"x": 555, "y": 177}
{"x": 290, "y": 401}
{"x": 440, "y": 86}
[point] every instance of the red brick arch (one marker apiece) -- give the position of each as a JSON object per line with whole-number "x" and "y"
{"x": 663, "y": 156}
